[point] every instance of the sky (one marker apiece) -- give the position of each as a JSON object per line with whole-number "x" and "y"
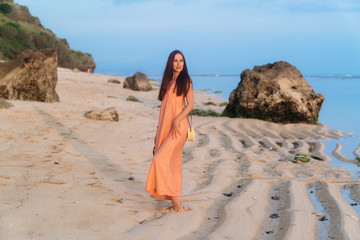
{"x": 319, "y": 37}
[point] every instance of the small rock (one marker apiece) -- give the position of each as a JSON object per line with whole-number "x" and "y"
{"x": 274, "y": 216}
{"x": 113, "y": 81}
{"x": 132, "y": 99}
{"x": 106, "y": 114}
{"x": 5, "y": 104}
{"x": 228, "y": 194}
{"x": 275, "y": 198}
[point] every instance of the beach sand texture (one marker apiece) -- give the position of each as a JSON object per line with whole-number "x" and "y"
{"x": 64, "y": 176}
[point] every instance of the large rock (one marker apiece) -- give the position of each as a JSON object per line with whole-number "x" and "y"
{"x": 138, "y": 82}
{"x": 274, "y": 92}
{"x": 106, "y": 114}
{"x": 30, "y": 76}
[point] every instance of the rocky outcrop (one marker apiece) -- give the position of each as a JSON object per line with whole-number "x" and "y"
{"x": 19, "y": 30}
{"x": 138, "y": 82}
{"x": 5, "y": 104}
{"x": 106, "y": 114}
{"x": 274, "y": 92}
{"x": 30, "y": 76}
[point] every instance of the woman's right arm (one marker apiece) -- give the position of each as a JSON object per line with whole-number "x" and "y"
{"x": 175, "y": 128}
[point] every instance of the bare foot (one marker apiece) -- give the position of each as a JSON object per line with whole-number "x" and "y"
{"x": 176, "y": 201}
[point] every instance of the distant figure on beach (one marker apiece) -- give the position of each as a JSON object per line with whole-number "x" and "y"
{"x": 176, "y": 96}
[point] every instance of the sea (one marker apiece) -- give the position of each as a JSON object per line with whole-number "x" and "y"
{"x": 340, "y": 110}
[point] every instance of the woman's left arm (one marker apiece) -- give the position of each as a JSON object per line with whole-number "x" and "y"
{"x": 184, "y": 113}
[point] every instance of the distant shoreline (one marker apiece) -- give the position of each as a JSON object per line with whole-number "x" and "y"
{"x": 332, "y": 76}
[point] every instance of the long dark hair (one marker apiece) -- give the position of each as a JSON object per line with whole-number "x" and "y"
{"x": 183, "y": 81}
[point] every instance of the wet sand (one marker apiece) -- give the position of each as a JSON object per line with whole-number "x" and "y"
{"x": 64, "y": 176}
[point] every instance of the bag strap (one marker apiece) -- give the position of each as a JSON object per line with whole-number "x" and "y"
{"x": 188, "y": 114}
{"x": 191, "y": 119}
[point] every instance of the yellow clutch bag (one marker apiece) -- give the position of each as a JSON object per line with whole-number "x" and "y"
{"x": 191, "y": 134}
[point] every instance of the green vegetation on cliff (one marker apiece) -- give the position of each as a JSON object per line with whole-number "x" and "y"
{"x": 19, "y": 31}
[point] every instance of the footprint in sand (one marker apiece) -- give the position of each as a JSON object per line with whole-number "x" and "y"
{"x": 165, "y": 210}
{"x": 162, "y": 212}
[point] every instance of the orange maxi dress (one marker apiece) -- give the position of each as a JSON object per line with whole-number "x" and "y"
{"x": 165, "y": 174}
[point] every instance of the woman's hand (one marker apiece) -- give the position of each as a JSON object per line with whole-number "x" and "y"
{"x": 175, "y": 128}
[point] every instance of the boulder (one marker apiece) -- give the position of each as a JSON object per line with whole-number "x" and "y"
{"x": 5, "y": 104}
{"x": 30, "y": 76}
{"x": 106, "y": 114}
{"x": 138, "y": 82}
{"x": 275, "y": 92}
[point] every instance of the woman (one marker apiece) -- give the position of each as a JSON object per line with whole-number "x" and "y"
{"x": 176, "y": 96}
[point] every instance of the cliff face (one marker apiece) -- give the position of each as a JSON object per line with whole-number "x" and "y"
{"x": 19, "y": 31}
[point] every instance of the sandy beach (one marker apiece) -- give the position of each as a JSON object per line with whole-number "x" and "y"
{"x": 63, "y": 176}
